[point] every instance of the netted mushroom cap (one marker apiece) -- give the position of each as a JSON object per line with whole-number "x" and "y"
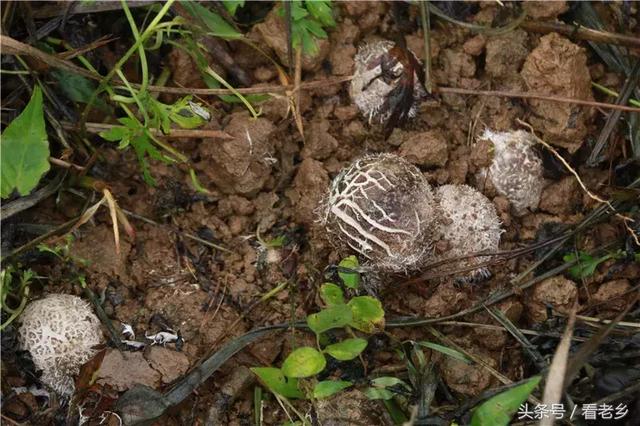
{"x": 371, "y": 85}
{"x": 469, "y": 224}
{"x": 382, "y": 207}
{"x": 60, "y": 332}
{"x": 516, "y": 169}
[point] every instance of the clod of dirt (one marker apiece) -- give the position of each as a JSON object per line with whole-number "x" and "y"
{"x": 274, "y": 33}
{"x": 378, "y": 79}
{"x": 506, "y": 54}
{"x": 558, "y": 67}
{"x": 234, "y": 385}
{"x": 60, "y": 331}
{"x": 428, "y": 149}
{"x": 561, "y": 197}
{"x": 545, "y": 9}
{"x": 367, "y": 13}
{"x": 557, "y": 292}
{"x": 457, "y": 67}
{"x": 241, "y": 165}
{"x": 467, "y": 379}
{"x": 307, "y": 191}
{"x": 319, "y": 143}
{"x": 123, "y": 370}
{"x": 350, "y": 407}
{"x": 169, "y": 363}
{"x": 516, "y": 169}
{"x": 382, "y": 207}
{"x": 343, "y": 38}
{"x": 469, "y": 225}
{"x": 611, "y": 299}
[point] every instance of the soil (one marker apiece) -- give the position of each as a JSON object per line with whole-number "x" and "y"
{"x": 266, "y": 182}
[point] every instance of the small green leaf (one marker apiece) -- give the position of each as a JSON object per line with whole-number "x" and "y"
{"x": 368, "y": 315}
{"x": 303, "y": 362}
{"x": 332, "y": 317}
{"x": 24, "y": 149}
{"x": 350, "y": 279}
{"x": 445, "y": 350}
{"x": 114, "y": 134}
{"x": 378, "y": 393}
{"x": 497, "y": 411}
{"x": 321, "y": 10}
{"x": 77, "y": 88}
{"x": 329, "y": 387}
{"x": 388, "y": 381}
{"x": 347, "y": 349}
{"x": 216, "y": 25}
{"x": 232, "y": 5}
{"x": 331, "y": 294}
{"x": 586, "y": 265}
{"x": 276, "y": 382}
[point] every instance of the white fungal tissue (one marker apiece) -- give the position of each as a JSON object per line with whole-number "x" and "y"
{"x": 60, "y": 331}
{"x": 516, "y": 169}
{"x": 381, "y": 206}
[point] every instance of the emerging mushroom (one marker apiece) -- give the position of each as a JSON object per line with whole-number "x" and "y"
{"x": 469, "y": 224}
{"x": 516, "y": 169}
{"x": 387, "y": 84}
{"x": 382, "y": 207}
{"x": 60, "y": 331}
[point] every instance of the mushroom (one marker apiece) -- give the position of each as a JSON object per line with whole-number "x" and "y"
{"x": 382, "y": 207}
{"x": 516, "y": 169}
{"x": 60, "y": 331}
{"x": 469, "y": 224}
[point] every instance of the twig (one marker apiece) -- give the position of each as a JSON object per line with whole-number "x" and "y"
{"x": 581, "y": 33}
{"x": 426, "y": 34}
{"x": 175, "y": 133}
{"x": 50, "y": 10}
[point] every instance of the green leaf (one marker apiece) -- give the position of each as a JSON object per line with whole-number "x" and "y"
{"x": 331, "y": 294}
{"x": 389, "y": 381}
{"x": 350, "y": 279}
{"x": 24, "y": 149}
{"x": 77, "y": 88}
{"x": 378, "y": 393}
{"x": 303, "y": 362}
{"x": 232, "y": 5}
{"x": 347, "y": 349}
{"x": 315, "y": 28}
{"x": 114, "y": 134}
{"x": 332, "y": 317}
{"x": 276, "y": 382}
{"x": 216, "y": 25}
{"x": 445, "y": 350}
{"x": 329, "y": 387}
{"x": 321, "y": 10}
{"x": 586, "y": 265}
{"x": 497, "y": 411}
{"x": 368, "y": 315}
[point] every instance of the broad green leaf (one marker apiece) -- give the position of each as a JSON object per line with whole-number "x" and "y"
{"x": 350, "y": 279}
{"x": 24, "y": 149}
{"x": 331, "y": 294}
{"x": 216, "y": 25}
{"x": 276, "y": 382}
{"x": 321, "y": 10}
{"x": 347, "y": 349}
{"x": 378, "y": 393}
{"x": 303, "y": 362}
{"x": 232, "y": 5}
{"x": 114, "y": 134}
{"x": 77, "y": 88}
{"x": 368, "y": 315}
{"x": 329, "y": 387}
{"x": 445, "y": 350}
{"x": 332, "y": 317}
{"x": 497, "y": 411}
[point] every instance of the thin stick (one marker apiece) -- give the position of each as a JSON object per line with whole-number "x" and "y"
{"x": 426, "y": 34}
{"x": 175, "y": 133}
{"x": 581, "y": 33}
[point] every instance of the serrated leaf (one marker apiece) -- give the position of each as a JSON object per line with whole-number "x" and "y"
{"x": 321, "y": 10}
{"x": 276, "y": 382}
{"x": 329, "y": 387}
{"x": 314, "y": 28}
{"x": 24, "y": 149}
{"x": 497, "y": 411}
{"x": 215, "y": 24}
{"x": 350, "y": 279}
{"x": 114, "y": 134}
{"x": 445, "y": 350}
{"x": 347, "y": 349}
{"x": 368, "y": 315}
{"x": 331, "y": 294}
{"x": 586, "y": 265}
{"x": 303, "y": 362}
{"x": 332, "y": 317}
